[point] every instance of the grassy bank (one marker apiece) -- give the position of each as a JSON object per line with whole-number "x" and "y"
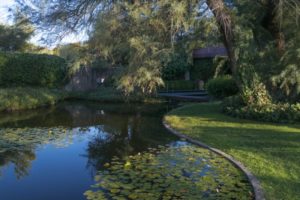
{"x": 270, "y": 151}
{"x": 110, "y": 95}
{"x": 105, "y": 94}
{"x": 23, "y": 98}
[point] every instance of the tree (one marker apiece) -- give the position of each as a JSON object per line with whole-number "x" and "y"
{"x": 14, "y": 38}
{"x": 226, "y": 25}
{"x": 134, "y": 32}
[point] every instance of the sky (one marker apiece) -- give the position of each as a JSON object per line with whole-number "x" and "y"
{"x": 5, "y": 19}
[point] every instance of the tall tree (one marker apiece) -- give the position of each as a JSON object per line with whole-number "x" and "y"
{"x": 245, "y": 26}
{"x": 14, "y": 38}
{"x": 226, "y": 25}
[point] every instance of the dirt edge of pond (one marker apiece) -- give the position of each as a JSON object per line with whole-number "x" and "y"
{"x": 258, "y": 191}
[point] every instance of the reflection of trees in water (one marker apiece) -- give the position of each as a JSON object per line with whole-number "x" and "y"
{"x": 18, "y": 145}
{"x": 20, "y": 159}
{"x": 127, "y": 136}
{"x": 118, "y": 130}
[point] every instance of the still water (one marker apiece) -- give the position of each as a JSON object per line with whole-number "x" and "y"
{"x": 55, "y": 153}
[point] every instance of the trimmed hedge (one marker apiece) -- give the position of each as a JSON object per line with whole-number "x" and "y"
{"x": 24, "y": 69}
{"x": 221, "y": 87}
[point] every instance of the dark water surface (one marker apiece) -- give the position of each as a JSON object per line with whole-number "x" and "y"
{"x": 54, "y": 153}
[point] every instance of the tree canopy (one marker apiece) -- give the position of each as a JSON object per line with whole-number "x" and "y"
{"x": 14, "y": 37}
{"x": 142, "y": 36}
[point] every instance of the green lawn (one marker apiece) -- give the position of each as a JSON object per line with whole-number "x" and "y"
{"x": 22, "y": 98}
{"x": 270, "y": 151}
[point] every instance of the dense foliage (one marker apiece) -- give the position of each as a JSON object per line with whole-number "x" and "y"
{"x": 14, "y": 37}
{"x": 146, "y": 38}
{"x": 76, "y": 55}
{"x": 271, "y": 112}
{"x": 22, "y": 69}
{"x": 142, "y": 36}
{"x": 176, "y": 67}
{"x": 222, "y": 86}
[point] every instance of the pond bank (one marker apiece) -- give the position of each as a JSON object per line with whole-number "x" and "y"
{"x": 269, "y": 151}
{"x": 258, "y": 192}
{"x": 27, "y": 98}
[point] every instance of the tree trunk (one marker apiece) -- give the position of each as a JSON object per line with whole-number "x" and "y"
{"x": 272, "y": 24}
{"x": 225, "y": 24}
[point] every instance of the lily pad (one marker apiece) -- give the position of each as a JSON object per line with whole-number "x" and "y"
{"x": 172, "y": 172}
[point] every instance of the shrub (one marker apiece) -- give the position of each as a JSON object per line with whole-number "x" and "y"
{"x": 222, "y": 86}
{"x": 23, "y": 69}
{"x": 176, "y": 67}
{"x": 278, "y": 113}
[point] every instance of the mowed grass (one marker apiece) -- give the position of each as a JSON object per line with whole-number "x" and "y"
{"x": 270, "y": 151}
{"x": 22, "y": 98}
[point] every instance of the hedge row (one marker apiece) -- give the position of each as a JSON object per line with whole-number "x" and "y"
{"x": 24, "y": 69}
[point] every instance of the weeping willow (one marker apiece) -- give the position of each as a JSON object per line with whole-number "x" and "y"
{"x": 143, "y": 36}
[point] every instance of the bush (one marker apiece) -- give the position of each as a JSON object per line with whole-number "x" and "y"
{"x": 222, "y": 87}
{"x": 278, "y": 113}
{"x": 176, "y": 67}
{"x": 180, "y": 85}
{"x": 23, "y": 69}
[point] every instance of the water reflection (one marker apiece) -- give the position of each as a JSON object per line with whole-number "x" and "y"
{"x": 110, "y": 130}
{"x": 18, "y": 145}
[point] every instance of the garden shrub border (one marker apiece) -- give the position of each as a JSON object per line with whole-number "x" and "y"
{"x": 234, "y": 106}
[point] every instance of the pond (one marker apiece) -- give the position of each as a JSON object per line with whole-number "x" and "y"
{"x": 78, "y": 150}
